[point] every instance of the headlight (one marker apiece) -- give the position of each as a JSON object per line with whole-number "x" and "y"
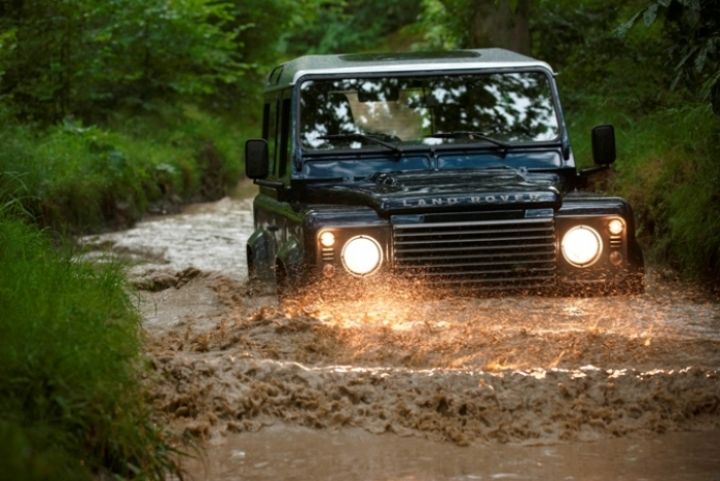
{"x": 616, "y": 226}
{"x": 362, "y": 255}
{"x": 327, "y": 239}
{"x": 581, "y": 246}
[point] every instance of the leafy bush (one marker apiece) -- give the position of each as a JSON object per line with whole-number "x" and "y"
{"x": 71, "y": 405}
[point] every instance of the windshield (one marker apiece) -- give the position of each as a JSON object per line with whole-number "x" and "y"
{"x": 510, "y": 108}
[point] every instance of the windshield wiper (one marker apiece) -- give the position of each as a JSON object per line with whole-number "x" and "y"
{"x": 472, "y": 135}
{"x": 359, "y": 136}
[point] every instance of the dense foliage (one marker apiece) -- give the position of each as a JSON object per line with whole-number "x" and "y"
{"x": 89, "y": 58}
{"x": 692, "y": 28}
{"x": 77, "y": 177}
{"x": 649, "y": 67}
{"x": 86, "y": 58}
{"x": 351, "y": 26}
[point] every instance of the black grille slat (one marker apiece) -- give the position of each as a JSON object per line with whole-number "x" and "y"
{"x": 437, "y": 225}
{"x": 516, "y": 282}
{"x": 499, "y": 280}
{"x": 539, "y": 270}
{"x": 505, "y": 254}
{"x": 465, "y": 232}
{"x": 476, "y": 239}
{"x": 401, "y": 258}
{"x": 481, "y": 248}
{"x": 430, "y": 267}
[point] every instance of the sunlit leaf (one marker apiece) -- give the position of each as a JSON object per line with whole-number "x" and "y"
{"x": 650, "y": 14}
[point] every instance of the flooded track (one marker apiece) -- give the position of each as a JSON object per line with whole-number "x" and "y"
{"x": 291, "y": 453}
{"x": 398, "y": 377}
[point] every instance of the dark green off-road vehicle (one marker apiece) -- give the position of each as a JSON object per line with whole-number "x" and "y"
{"x": 454, "y": 169}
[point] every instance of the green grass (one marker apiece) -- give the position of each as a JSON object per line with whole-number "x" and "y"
{"x": 71, "y": 404}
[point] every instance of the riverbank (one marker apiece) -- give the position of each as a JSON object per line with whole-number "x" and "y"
{"x": 78, "y": 178}
{"x": 73, "y": 405}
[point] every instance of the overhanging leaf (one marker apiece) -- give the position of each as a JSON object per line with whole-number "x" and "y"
{"x": 650, "y": 14}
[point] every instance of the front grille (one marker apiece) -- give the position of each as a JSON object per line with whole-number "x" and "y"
{"x": 491, "y": 254}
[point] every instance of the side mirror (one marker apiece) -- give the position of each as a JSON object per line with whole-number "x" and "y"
{"x": 603, "y": 144}
{"x": 256, "y": 158}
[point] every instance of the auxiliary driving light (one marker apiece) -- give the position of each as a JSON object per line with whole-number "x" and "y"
{"x": 362, "y": 255}
{"x": 616, "y": 226}
{"x": 327, "y": 239}
{"x": 581, "y": 246}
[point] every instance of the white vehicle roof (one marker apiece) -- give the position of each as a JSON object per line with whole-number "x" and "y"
{"x": 288, "y": 73}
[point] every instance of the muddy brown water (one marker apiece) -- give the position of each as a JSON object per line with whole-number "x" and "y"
{"x": 397, "y": 384}
{"x": 291, "y": 453}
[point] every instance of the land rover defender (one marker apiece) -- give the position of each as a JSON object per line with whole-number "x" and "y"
{"x": 453, "y": 169}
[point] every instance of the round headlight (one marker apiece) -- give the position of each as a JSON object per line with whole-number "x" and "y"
{"x": 581, "y": 246}
{"x": 362, "y": 255}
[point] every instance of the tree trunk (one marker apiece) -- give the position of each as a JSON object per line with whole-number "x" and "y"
{"x": 499, "y": 24}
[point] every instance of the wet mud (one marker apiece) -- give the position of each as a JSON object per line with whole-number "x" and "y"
{"x": 228, "y": 359}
